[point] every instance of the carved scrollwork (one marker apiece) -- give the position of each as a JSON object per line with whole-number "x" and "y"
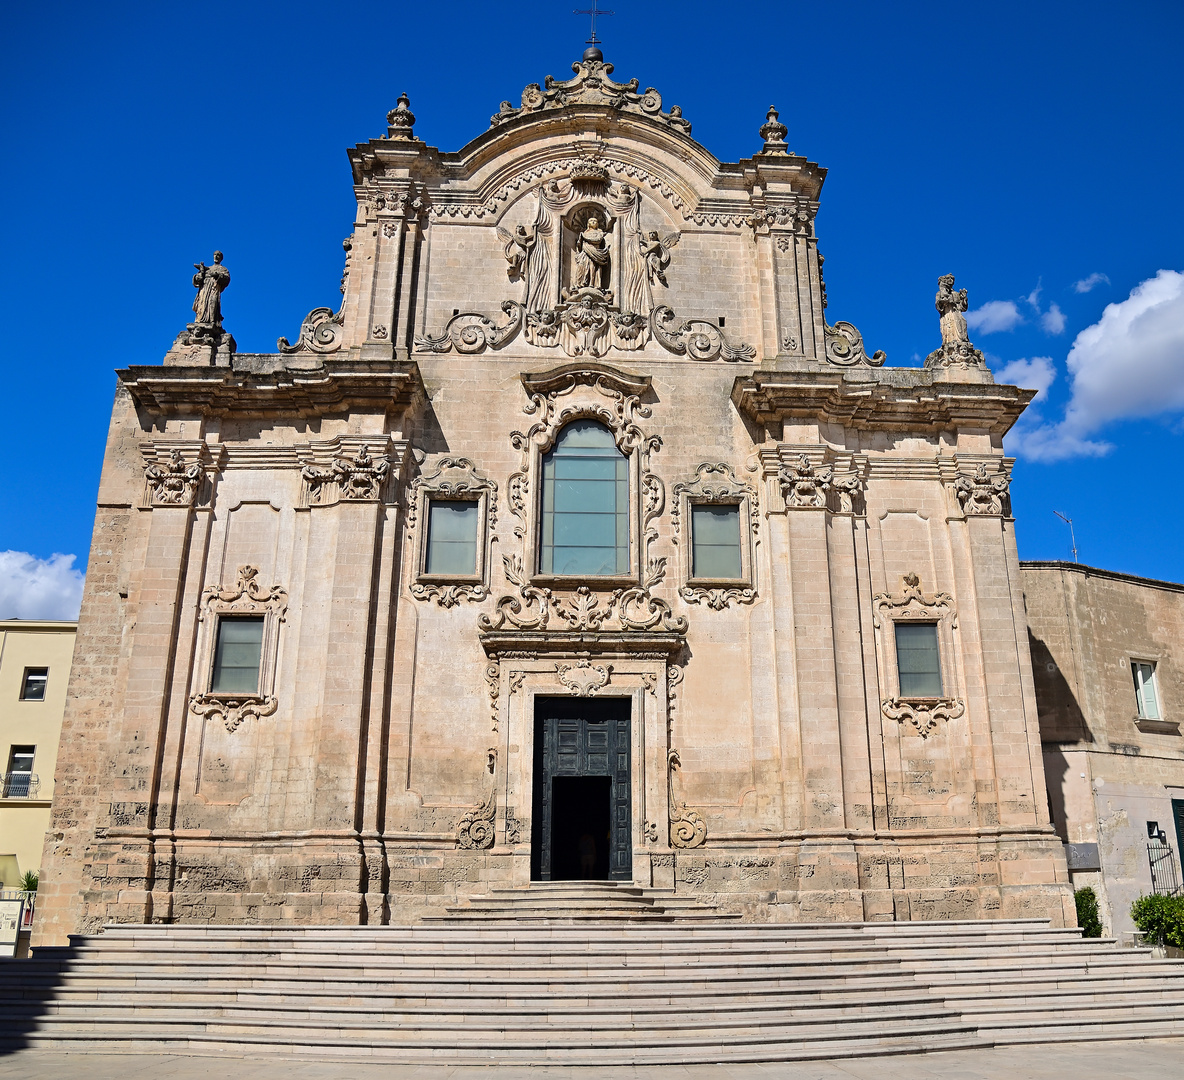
{"x": 246, "y": 595}
{"x": 912, "y": 603}
{"x": 592, "y": 86}
{"x": 803, "y": 485}
{"x": 471, "y": 332}
{"x": 475, "y": 830}
{"x": 583, "y": 678}
{"x": 717, "y": 599}
{"x": 493, "y": 680}
{"x": 922, "y": 714}
{"x": 844, "y": 346}
{"x": 981, "y": 494}
{"x": 448, "y": 596}
{"x": 321, "y": 332}
{"x": 174, "y": 481}
{"x": 687, "y": 827}
{"x": 697, "y": 339}
{"x": 356, "y": 479}
{"x": 233, "y": 710}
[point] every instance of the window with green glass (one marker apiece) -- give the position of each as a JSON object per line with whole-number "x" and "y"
{"x": 452, "y": 537}
{"x": 585, "y": 506}
{"x": 917, "y": 660}
{"x": 715, "y": 541}
{"x": 236, "y": 656}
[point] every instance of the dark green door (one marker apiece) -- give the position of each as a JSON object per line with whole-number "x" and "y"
{"x": 582, "y": 823}
{"x": 1178, "y": 815}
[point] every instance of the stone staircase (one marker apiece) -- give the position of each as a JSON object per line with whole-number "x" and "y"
{"x": 641, "y": 981}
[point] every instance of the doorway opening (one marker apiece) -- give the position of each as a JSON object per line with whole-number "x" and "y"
{"x": 582, "y": 821}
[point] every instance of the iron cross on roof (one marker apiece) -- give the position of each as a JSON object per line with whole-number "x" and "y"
{"x": 593, "y": 11}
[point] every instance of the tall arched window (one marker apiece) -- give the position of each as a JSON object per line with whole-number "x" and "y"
{"x": 585, "y": 520}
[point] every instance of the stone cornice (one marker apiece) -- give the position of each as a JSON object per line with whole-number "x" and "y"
{"x": 909, "y": 400}
{"x": 604, "y": 643}
{"x": 332, "y": 387}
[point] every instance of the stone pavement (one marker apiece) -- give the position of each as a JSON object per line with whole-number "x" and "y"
{"x": 1151, "y": 1060}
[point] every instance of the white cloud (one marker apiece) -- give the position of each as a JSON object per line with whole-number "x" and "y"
{"x": 1087, "y": 283}
{"x": 1127, "y": 365}
{"x": 33, "y": 588}
{"x": 1033, "y": 298}
{"x": 1053, "y": 320}
{"x": 1038, "y": 374}
{"x": 994, "y": 316}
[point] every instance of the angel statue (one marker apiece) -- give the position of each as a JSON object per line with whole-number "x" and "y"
{"x": 593, "y": 259}
{"x": 950, "y": 306}
{"x": 656, "y": 253}
{"x": 530, "y": 262}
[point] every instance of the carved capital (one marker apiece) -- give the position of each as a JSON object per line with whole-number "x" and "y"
{"x": 803, "y": 485}
{"x": 353, "y": 479}
{"x": 175, "y": 480}
{"x": 982, "y": 494}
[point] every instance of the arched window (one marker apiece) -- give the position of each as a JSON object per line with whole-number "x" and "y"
{"x": 585, "y": 520}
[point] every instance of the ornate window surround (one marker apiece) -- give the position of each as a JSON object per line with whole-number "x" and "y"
{"x": 245, "y": 597}
{"x": 597, "y": 392}
{"x": 454, "y": 479}
{"x": 913, "y": 605}
{"x": 716, "y": 483}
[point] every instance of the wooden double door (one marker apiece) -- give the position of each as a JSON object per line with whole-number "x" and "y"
{"x": 583, "y": 815}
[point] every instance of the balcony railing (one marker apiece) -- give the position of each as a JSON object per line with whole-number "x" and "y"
{"x": 20, "y": 786}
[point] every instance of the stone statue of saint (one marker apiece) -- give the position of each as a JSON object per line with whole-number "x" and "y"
{"x": 210, "y": 282}
{"x": 593, "y": 260}
{"x": 950, "y": 306}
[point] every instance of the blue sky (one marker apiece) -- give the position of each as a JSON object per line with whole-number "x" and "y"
{"x": 1034, "y": 150}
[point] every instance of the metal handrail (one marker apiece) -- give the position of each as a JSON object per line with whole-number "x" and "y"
{"x": 20, "y": 785}
{"x": 1165, "y": 878}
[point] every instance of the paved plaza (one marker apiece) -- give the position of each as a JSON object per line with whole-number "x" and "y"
{"x": 1161, "y": 1059}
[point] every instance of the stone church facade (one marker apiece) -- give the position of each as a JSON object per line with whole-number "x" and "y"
{"x": 576, "y": 543}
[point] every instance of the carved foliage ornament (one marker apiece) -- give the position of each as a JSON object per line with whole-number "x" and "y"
{"x": 356, "y": 479}
{"x": 912, "y": 602}
{"x": 982, "y": 494}
{"x": 592, "y": 86}
{"x": 805, "y": 486}
{"x": 245, "y": 597}
{"x": 923, "y": 715}
{"x": 174, "y": 481}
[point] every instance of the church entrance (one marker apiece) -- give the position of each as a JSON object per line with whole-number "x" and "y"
{"x": 583, "y": 816}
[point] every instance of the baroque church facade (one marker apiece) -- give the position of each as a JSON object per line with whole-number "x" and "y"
{"x": 576, "y": 544}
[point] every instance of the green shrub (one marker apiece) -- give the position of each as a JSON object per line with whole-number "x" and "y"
{"x": 1161, "y": 918}
{"x": 1087, "y": 912}
{"x": 29, "y": 881}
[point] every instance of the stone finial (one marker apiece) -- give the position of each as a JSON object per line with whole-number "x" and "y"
{"x": 401, "y": 120}
{"x": 773, "y": 131}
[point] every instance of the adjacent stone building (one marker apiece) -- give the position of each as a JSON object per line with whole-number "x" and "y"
{"x": 576, "y": 543}
{"x": 1105, "y": 651}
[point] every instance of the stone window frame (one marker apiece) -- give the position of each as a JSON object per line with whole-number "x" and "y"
{"x": 914, "y": 606}
{"x": 245, "y": 597}
{"x": 715, "y": 483}
{"x": 1160, "y": 725}
{"x": 453, "y": 479}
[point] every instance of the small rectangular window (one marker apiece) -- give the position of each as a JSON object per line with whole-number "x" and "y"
{"x": 917, "y": 660}
{"x": 34, "y": 683}
{"x": 452, "y": 538}
{"x": 19, "y": 778}
{"x": 715, "y": 541}
{"x": 1146, "y": 697}
{"x": 236, "y": 657}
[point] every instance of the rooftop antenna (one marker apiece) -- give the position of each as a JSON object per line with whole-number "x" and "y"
{"x": 593, "y": 11}
{"x": 1072, "y": 539}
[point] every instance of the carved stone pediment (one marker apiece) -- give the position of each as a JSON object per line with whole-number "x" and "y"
{"x": 561, "y": 379}
{"x": 592, "y": 86}
{"x": 912, "y": 603}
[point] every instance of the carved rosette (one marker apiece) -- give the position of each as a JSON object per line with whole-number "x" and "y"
{"x": 583, "y": 678}
{"x": 353, "y": 479}
{"x": 687, "y": 827}
{"x": 475, "y": 830}
{"x": 981, "y": 494}
{"x": 245, "y": 597}
{"x": 923, "y": 715}
{"x": 173, "y": 481}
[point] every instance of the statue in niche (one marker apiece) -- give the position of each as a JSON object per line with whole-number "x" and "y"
{"x": 950, "y": 305}
{"x": 593, "y": 260}
{"x": 210, "y": 282}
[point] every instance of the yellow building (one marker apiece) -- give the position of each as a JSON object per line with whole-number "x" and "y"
{"x": 34, "y": 670}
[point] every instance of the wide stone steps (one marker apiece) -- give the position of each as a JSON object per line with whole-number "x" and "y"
{"x": 603, "y": 992}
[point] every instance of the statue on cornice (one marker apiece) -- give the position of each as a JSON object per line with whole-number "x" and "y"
{"x": 950, "y": 306}
{"x": 210, "y": 282}
{"x": 593, "y": 259}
